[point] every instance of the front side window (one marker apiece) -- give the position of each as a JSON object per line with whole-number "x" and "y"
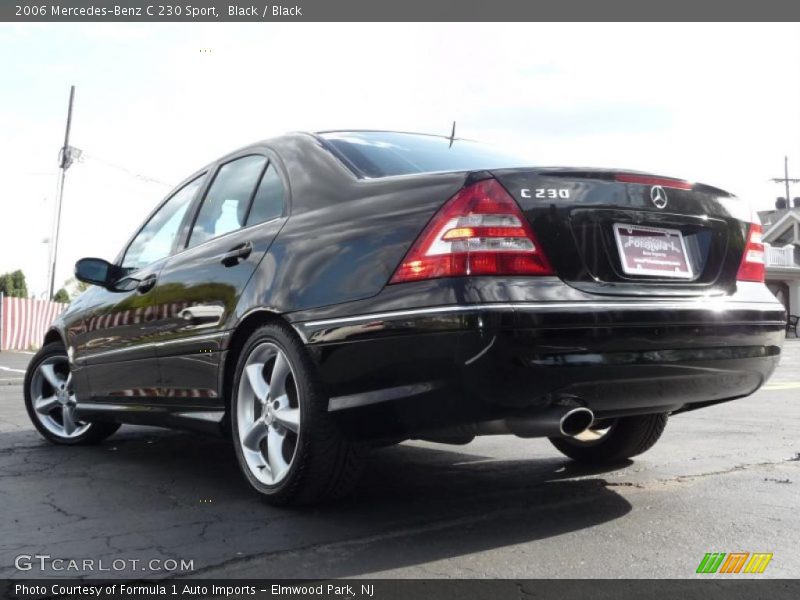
{"x": 157, "y": 237}
{"x": 225, "y": 206}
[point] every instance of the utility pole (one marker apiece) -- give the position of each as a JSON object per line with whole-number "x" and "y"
{"x": 65, "y": 158}
{"x": 786, "y": 180}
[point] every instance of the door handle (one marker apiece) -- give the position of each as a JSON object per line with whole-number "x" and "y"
{"x": 146, "y": 284}
{"x": 202, "y": 316}
{"x": 237, "y": 254}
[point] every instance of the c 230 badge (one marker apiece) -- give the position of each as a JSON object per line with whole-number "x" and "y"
{"x": 545, "y": 193}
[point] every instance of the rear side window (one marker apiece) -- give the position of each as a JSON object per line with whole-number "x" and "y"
{"x": 269, "y": 200}
{"x": 224, "y": 208}
{"x": 384, "y": 154}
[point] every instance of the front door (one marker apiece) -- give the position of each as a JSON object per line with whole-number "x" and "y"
{"x": 114, "y": 344}
{"x": 199, "y": 287}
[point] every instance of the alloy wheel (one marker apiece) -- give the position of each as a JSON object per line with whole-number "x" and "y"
{"x": 268, "y": 413}
{"x": 54, "y": 398}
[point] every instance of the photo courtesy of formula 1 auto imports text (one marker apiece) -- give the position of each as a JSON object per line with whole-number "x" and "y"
{"x": 430, "y": 300}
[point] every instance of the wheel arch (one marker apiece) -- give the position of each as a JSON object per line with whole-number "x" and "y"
{"x": 53, "y": 335}
{"x": 239, "y": 337}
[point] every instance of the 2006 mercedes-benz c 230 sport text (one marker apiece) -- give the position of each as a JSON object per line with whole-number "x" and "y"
{"x": 314, "y": 295}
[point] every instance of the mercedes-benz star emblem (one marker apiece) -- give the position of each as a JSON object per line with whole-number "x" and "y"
{"x": 658, "y": 196}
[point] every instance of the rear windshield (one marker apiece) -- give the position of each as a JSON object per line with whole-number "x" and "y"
{"x": 383, "y": 154}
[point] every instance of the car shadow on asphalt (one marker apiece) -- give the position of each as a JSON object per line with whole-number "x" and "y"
{"x": 184, "y": 495}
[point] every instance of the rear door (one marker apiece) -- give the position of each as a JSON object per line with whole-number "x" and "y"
{"x": 198, "y": 289}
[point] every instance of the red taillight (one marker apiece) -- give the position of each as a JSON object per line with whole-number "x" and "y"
{"x": 650, "y": 180}
{"x": 480, "y": 231}
{"x": 752, "y": 265}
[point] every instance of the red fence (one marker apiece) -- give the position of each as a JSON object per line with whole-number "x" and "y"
{"x": 24, "y": 321}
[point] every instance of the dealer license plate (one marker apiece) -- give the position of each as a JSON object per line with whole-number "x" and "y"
{"x": 652, "y": 251}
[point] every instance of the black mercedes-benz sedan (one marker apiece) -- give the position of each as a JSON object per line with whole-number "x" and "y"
{"x": 317, "y": 294}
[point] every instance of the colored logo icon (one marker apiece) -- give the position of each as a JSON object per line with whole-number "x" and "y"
{"x": 734, "y": 562}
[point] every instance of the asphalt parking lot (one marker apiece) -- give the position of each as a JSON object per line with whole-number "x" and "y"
{"x": 724, "y": 479}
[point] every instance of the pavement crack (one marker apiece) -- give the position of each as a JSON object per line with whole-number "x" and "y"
{"x": 609, "y": 484}
{"x": 62, "y": 511}
{"x": 685, "y": 478}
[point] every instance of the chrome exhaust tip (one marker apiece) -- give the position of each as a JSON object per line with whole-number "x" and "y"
{"x": 555, "y": 421}
{"x": 575, "y": 421}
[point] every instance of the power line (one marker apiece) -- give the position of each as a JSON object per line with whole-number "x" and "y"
{"x": 134, "y": 174}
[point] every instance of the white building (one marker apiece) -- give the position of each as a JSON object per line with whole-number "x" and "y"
{"x": 782, "y": 247}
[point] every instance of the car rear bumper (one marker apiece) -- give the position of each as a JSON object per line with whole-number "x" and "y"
{"x": 403, "y": 371}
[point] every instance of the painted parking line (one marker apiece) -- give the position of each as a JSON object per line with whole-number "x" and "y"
{"x": 10, "y": 370}
{"x": 782, "y": 385}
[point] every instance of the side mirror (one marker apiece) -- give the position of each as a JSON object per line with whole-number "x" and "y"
{"x": 96, "y": 271}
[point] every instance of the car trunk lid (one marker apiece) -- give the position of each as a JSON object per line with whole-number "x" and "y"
{"x": 625, "y": 233}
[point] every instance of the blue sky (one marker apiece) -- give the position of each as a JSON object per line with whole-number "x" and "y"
{"x": 710, "y": 102}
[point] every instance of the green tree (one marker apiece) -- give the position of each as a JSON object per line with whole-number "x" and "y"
{"x": 13, "y": 284}
{"x": 19, "y": 281}
{"x": 7, "y": 285}
{"x": 61, "y": 296}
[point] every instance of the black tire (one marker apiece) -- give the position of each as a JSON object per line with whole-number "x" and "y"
{"x": 93, "y": 434}
{"x": 324, "y": 465}
{"x": 626, "y": 437}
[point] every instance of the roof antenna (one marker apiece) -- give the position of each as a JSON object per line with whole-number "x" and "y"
{"x": 452, "y": 135}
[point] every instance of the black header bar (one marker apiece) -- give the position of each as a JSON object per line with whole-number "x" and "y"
{"x": 151, "y": 11}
